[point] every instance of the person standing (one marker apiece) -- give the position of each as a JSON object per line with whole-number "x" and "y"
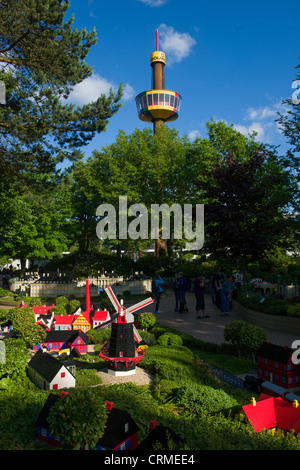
{"x": 182, "y": 285}
{"x": 212, "y": 291}
{"x": 158, "y": 282}
{"x": 199, "y": 294}
{"x": 176, "y": 291}
{"x": 225, "y": 294}
{"x": 216, "y": 285}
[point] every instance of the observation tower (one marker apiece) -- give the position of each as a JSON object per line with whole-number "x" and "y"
{"x": 158, "y": 105}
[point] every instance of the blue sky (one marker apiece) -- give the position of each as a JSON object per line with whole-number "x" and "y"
{"x": 232, "y": 61}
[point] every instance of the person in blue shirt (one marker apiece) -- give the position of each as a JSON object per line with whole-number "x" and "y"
{"x": 158, "y": 284}
{"x": 227, "y": 285}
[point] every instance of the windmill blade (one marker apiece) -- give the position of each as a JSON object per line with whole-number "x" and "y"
{"x": 136, "y": 334}
{"x": 140, "y": 305}
{"x": 112, "y": 298}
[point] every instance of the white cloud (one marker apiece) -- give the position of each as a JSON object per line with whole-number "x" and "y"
{"x": 261, "y": 113}
{"x": 128, "y": 92}
{"x": 154, "y": 3}
{"x": 92, "y": 87}
{"x": 263, "y": 121}
{"x": 192, "y": 135}
{"x": 254, "y": 127}
{"x": 176, "y": 45}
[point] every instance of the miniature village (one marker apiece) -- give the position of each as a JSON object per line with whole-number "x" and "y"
{"x": 91, "y": 367}
{"x": 266, "y": 407}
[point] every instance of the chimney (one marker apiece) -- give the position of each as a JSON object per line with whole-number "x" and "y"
{"x": 253, "y": 401}
{"x": 87, "y": 297}
{"x": 295, "y": 404}
{"x": 152, "y": 425}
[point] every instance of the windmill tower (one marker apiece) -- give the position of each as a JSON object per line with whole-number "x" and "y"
{"x": 158, "y": 105}
{"x": 122, "y": 355}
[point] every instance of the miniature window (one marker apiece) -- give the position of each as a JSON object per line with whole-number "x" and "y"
{"x": 161, "y": 98}
{"x": 172, "y": 100}
{"x": 167, "y": 99}
{"x": 155, "y": 99}
{"x": 289, "y": 366}
{"x": 149, "y": 100}
{"x": 144, "y": 101}
{"x": 126, "y": 427}
{"x": 62, "y": 375}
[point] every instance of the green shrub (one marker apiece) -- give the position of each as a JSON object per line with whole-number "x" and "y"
{"x": 6, "y": 293}
{"x": 61, "y": 300}
{"x": 170, "y": 339}
{"x": 147, "y": 337}
{"x": 146, "y": 320}
{"x": 197, "y": 399}
{"x": 33, "y": 301}
{"x": 59, "y": 310}
{"x": 73, "y": 306}
{"x": 293, "y": 310}
{"x": 270, "y": 305}
{"x": 99, "y": 336}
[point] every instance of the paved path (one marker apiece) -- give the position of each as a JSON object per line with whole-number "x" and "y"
{"x": 208, "y": 329}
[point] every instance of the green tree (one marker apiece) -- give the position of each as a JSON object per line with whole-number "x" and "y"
{"x": 148, "y": 169}
{"x": 16, "y": 359}
{"x": 246, "y": 337}
{"x": 42, "y": 58}
{"x": 146, "y": 320}
{"x": 79, "y": 418}
{"x": 247, "y": 202}
{"x": 25, "y": 326}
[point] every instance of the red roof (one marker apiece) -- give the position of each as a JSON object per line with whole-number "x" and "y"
{"x": 101, "y": 315}
{"x": 64, "y": 319}
{"x": 42, "y": 310}
{"x": 270, "y": 412}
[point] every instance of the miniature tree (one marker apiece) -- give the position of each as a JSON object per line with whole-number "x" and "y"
{"x": 146, "y": 320}
{"x": 79, "y": 419}
{"x": 247, "y": 337}
{"x": 25, "y": 326}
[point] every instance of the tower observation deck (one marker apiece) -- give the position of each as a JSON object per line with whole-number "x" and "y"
{"x": 158, "y": 105}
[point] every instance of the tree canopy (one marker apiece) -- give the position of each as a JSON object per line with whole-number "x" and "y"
{"x": 42, "y": 58}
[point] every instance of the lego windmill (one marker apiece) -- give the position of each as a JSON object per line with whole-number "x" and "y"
{"x": 158, "y": 105}
{"x": 122, "y": 355}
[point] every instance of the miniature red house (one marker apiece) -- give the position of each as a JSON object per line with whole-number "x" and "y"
{"x": 57, "y": 340}
{"x": 274, "y": 364}
{"x": 272, "y": 413}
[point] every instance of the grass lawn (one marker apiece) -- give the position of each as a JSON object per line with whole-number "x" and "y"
{"x": 231, "y": 364}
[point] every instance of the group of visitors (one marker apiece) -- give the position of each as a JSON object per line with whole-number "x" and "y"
{"x": 220, "y": 285}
